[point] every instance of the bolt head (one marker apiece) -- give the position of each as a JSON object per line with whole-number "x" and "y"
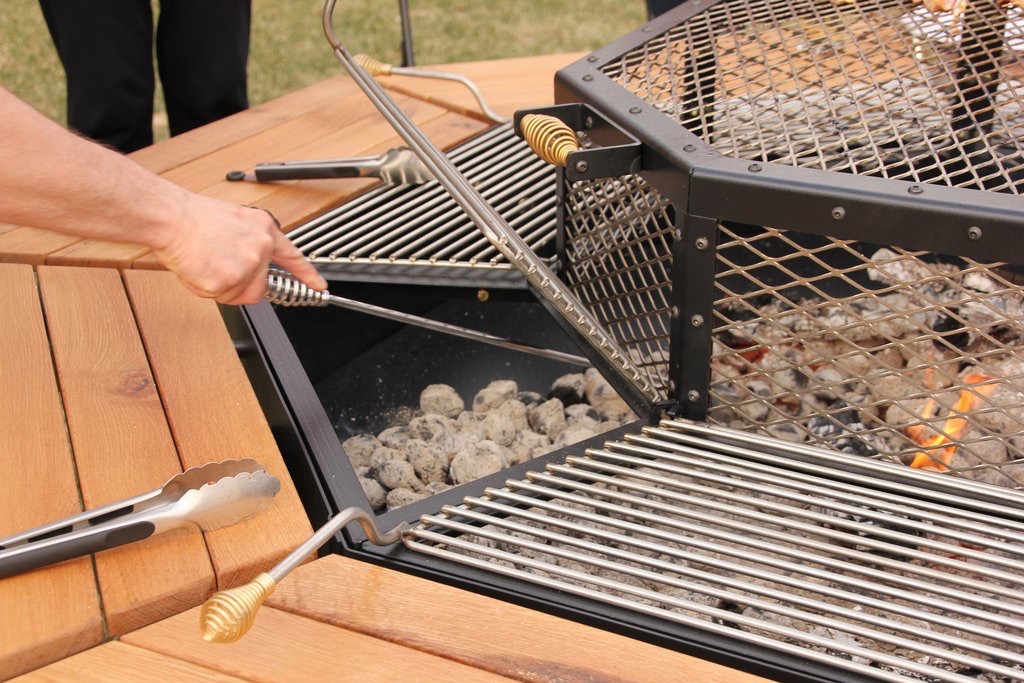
{"x": 582, "y": 166}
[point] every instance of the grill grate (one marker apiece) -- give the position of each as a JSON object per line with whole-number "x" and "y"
{"x": 419, "y": 235}
{"x": 871, "y": 568}
{"x": 882, "y": 354}
{"x": 876, "y": 350}
{"x": 618, "y": 262}
{"x": 872, "y": 87}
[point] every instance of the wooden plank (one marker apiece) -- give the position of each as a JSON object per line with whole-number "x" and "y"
{"x": 116, "y": 661}
{"x": 97, "y": 254}
{"x": 7, "y": 227}
{"x": 31, "y": 245}
{"x": 214, "y": 415}
{"x": 51, "y": 612}
{"x": 331, "y": 129}
{"x": 296, "y": 202}
{"x": 479, "y": 631}
{"x": 286, "y": 647}
{"x": 122, "y": 444}
{"x": 507, "y": 85}
{"x": 213, "y": 136}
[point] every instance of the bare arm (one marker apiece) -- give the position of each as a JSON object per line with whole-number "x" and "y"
{"x": 51, "y": 178}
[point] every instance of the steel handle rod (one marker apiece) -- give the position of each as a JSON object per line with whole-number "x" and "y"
{"x": 493, "y": 225}
{"x": 228, "y": 614}
{"x": 377, "y": 67}
{"x": 286, "y": 291}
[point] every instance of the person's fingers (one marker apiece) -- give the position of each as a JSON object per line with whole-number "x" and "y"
{"x": 291, "y": 259}
{"x": 251, "y": 291}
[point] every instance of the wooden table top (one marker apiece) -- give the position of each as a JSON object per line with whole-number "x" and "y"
{"x": 113, "y": 379}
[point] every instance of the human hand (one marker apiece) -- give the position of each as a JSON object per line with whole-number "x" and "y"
{"x": 221, "y": 250}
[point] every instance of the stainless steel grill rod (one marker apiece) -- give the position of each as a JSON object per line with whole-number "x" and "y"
{"x": 285, "y": 291}
{"x": 871, "y": 474}
{"x": 894, "y": 503}
{"x": 840, "y": 530}
{"x": 710, "y": 520}
{"x": 494, "y": 226}
{"x": 561, "y": 584}
{"x": 831, "y": 571}
{"x": 759, "y": 597}
{"x": 762, "y": 483}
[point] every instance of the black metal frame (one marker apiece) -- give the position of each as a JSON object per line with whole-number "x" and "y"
{"x": 703, "y": 187}
{"x": 327, "y": 482}
{"x": 706, "y": 187}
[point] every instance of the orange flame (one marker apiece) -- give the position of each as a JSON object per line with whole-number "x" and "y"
{"x": 938, "y": 459}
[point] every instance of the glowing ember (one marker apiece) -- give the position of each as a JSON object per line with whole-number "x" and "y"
{"x": 934, "y": 457}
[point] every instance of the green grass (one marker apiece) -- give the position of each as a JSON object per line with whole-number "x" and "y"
{"x": 289, "y": 50}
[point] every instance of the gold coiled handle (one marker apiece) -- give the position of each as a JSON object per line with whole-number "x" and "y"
{"x": 549, "y": 138}
{"x": 373, "y": 66}
{"x": 228, "y": 614}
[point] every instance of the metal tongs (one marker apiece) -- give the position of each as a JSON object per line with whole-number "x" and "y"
{"x": 285, "y": 290}
{"x": 209, "y": 497}
{"x": 397, "y": 166}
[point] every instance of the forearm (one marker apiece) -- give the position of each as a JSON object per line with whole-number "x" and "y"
{"x": 51, "y": 178}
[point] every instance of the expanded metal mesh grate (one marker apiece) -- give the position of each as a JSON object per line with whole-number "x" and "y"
{"x": 873, "y": 87}
{"x": 857, "y": 566}
{"x": 418, "y": 234}
{"x": 617, "y": 260}
{"x": 865, "y": 349}
{"x": 871, "y": 350}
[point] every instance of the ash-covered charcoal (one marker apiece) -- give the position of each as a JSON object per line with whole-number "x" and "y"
{"x": 840, "y": 428}
{"x": 951, "y": 331}
{"x": 440, "y": 444}
{"x": 862, "y": 526}
{"x": 569, "y": 389}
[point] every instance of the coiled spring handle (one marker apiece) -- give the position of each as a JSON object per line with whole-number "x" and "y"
{"x": 549, "y": 138}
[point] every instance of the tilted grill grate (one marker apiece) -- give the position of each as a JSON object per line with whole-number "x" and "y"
{"x": 871, "y": 87}
{"x": 418, "y": 234}
{"x": 859, "y": 566}
{"x": 617, "y": 260}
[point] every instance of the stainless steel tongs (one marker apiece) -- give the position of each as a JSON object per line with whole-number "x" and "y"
{"x": 397, "y": 166}
{"x": 209, "y": 497}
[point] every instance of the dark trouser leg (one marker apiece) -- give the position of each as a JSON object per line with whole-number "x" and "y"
{"x": 107, "y": 52}
{"x": 202, "y": 49}
{"x": 656, "y": 7}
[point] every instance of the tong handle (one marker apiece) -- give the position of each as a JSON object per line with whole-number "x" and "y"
{"x": 355, "y": 167}
{"x": 30, "y": 556}
{"x": 82, "y": 520}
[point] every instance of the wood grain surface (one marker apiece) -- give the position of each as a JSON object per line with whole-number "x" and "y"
{"x": 114, "y": 661}
{"x": 121, "y": 441}
{"x": 30, "y": 245}
{"x": 513, "y": 641}
{"x": 283, "y": 647}
{"x": 55, "y": 611}
{"x": 214, "y": 415}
